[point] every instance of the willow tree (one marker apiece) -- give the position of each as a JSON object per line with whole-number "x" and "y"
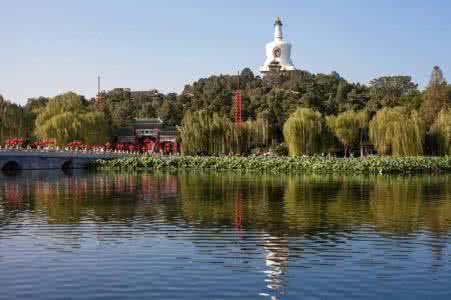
{"x": 194, "y": 132}
{"x": 248, "y": 135}
{"x": 15, "y": 121}
{"x": 95, "y": 128}
{"x": 348, "y": 127}
{"x": 398, "y": 132}
{"x": 212, "y": 133}
{"x": 67, "y": 118}
{"x": 302, "y": 130}
{"x": 441, "y": 130}
{"x": 63, "y": 128}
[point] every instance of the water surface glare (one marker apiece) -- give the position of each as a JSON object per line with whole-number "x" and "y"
{"x": 192, "y": 235}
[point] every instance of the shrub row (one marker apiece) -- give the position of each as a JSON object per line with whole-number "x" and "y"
{"x": 314, "y": 164}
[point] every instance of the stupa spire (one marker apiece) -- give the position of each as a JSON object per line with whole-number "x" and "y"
{"x": 278, "y": 35}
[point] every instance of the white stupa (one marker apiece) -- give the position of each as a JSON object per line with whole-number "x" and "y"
{"x": 278, "y": 52}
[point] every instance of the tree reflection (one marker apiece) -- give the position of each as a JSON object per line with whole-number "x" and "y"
{"x": 304, "y": 207}
{"x": 279, "y": 205}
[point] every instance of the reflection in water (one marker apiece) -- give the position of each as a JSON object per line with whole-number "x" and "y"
{"x": 276, "y": 261}
{"x": 281, "y": 227}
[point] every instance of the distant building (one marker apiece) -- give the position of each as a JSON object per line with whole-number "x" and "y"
{"x": 147, "y": 131}
{"x": 278, "y": 52}
{"x": 150, "y": 93}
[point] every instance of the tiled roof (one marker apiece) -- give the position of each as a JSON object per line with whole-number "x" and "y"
{"x": 147, "y": 121}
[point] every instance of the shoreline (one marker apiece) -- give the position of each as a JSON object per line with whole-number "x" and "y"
{"x": 284, "y": 165}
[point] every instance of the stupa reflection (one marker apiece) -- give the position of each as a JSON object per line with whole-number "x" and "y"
{"x": 278, "y": 208}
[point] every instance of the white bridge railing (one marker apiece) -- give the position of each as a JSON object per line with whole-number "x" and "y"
{"x": 60, "y": 152}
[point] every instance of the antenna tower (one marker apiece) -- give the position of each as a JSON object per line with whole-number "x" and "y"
{"x": 99, "y": 97}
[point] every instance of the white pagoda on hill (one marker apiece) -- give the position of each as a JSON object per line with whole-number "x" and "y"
{"x": 278, "y": 52}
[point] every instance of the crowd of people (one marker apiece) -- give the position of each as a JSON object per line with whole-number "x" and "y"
{"x": 147, "y": 147}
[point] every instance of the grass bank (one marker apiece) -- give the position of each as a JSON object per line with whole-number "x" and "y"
{"x": 315, "y": 164}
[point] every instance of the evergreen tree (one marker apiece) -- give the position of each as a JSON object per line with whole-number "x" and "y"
{"x": 168, "y": 112}
{"x": 386, "y": 91}
{"x": 436, "y": 96}
{"x": 120, "y": 107}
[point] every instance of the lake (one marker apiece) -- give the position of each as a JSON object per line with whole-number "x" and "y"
{"x": 206, "y": 235}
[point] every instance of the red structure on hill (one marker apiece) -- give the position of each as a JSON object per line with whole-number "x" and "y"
{"x": 238, "y": 106}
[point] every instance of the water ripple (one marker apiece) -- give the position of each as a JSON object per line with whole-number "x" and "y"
{"x": 226, "y": 236}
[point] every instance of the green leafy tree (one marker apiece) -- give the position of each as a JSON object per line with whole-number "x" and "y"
{"x": 246, "y": 76}
{"x": 302, "y": 131}
{"x": 95, "y": 128}
{"x": 356, "y": 99}
{"x": 120, "y": 107}
{"x": 386, "y": 91}
{"x": 412, "y": 100}
{"x": 436, "y": 96}
{"x": 68, "y": 102}
{"x": 398, "y": 132}
{"x": 146, "y": 110}
{"x": 168, "y": 113}
{"x": 35, "y": 105}
{"x": 348, "y": 127}
{"x": 15, "y": 121}
{"x": 68, "y": 117}
{"x": 211, "y": 133}
{"x": 441, "y": 130}
{"x": 144, "y": 107}
{"x": 274, "y": 96}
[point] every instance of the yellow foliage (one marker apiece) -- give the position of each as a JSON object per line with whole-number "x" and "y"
{"x": 302, "y": 130}
{"x": 398, "y": 132}
{"x": 66, "y": 118}
{"x": 207, "y": 133}
{"x": 347, "y": 126}
{"x": 441, "y": 129}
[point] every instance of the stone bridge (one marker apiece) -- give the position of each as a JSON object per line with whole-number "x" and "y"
{"x": 36, "y": 160}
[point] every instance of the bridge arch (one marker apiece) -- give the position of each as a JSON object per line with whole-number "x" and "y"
{"x": 68, "y": 164}
{"x": 11, "y": 165}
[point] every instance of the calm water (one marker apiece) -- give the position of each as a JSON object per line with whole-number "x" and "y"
{"x": 223, "y": 236}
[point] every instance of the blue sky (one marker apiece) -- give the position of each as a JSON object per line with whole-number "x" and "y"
{"x": 48, "y": 47}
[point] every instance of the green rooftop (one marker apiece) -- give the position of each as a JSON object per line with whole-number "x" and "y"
{"x": 147, "y": 121}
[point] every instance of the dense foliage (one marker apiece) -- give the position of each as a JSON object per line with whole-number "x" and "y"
{"x": 270, "y": 100}
{"x": 212, "y": 133}
{"x": 436, "y": 97}
{"x": 67, "y": 118}
{"x": 349, "y": 127}
{"x": 15, "y": 121}
{"x": 441, "y": 130}
{"x": 302, "y": 131}
{"x": 395, "y": 131}
{"x": 300, "y": 164}
{"x": 123, "y": 105}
